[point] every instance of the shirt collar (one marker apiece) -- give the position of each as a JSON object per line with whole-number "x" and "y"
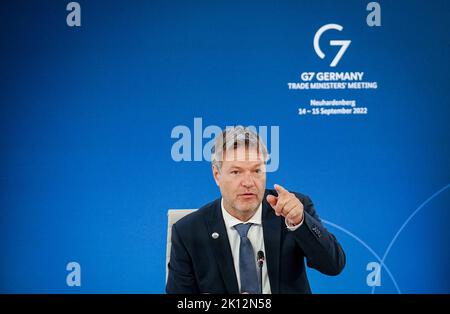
{"x": 231, "y": 221}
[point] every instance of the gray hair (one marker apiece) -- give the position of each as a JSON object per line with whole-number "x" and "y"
{"x": 233, "y": 138}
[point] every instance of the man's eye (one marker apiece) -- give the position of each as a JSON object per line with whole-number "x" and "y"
{"x": 234, "y": 172}
{"x": 258, "y": 171}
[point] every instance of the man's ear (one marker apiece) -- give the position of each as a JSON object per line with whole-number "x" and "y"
{"x": 216, "y": 174}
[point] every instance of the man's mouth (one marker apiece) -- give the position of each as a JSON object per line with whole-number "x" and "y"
{"x": 247, "y": 195}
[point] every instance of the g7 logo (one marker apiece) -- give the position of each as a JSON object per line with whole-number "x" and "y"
{"x": 343, "y": 43}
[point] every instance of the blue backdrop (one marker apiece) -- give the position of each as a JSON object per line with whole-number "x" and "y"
{"x": 87, "y": 114}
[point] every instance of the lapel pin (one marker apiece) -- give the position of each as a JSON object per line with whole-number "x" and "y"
{"x": 215, "y": 235}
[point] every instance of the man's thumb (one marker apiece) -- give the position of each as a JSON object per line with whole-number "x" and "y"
{"x": 272, "y": 200}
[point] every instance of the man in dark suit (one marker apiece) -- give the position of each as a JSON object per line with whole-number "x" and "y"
{"x": 220, "y": 247}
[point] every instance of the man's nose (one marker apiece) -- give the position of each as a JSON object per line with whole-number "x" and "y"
{"x": 247, "y": 180}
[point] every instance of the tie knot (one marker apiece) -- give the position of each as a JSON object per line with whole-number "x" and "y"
{"x": 242, "y": 229}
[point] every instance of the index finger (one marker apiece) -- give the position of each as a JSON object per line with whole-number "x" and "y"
{"x": 280, "y": 189}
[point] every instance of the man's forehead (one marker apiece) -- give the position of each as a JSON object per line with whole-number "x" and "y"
{"x": 243, "y": 164}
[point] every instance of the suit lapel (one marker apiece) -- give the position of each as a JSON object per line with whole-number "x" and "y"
{"x": 272, "y": 234}
{"x": 222, "y": 249}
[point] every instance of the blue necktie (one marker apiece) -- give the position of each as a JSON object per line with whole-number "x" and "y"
{"x": 247, "y": 261}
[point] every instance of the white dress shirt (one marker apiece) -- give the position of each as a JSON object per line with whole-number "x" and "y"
{"x": 256, "y": 237}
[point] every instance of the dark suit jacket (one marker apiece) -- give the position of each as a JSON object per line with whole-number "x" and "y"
{"x": 201, "y": 264}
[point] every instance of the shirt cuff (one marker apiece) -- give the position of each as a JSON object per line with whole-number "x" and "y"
{"x": 293, "y": 228}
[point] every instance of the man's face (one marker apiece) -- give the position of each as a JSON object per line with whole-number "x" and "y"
{"x": 242, "y": 181}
